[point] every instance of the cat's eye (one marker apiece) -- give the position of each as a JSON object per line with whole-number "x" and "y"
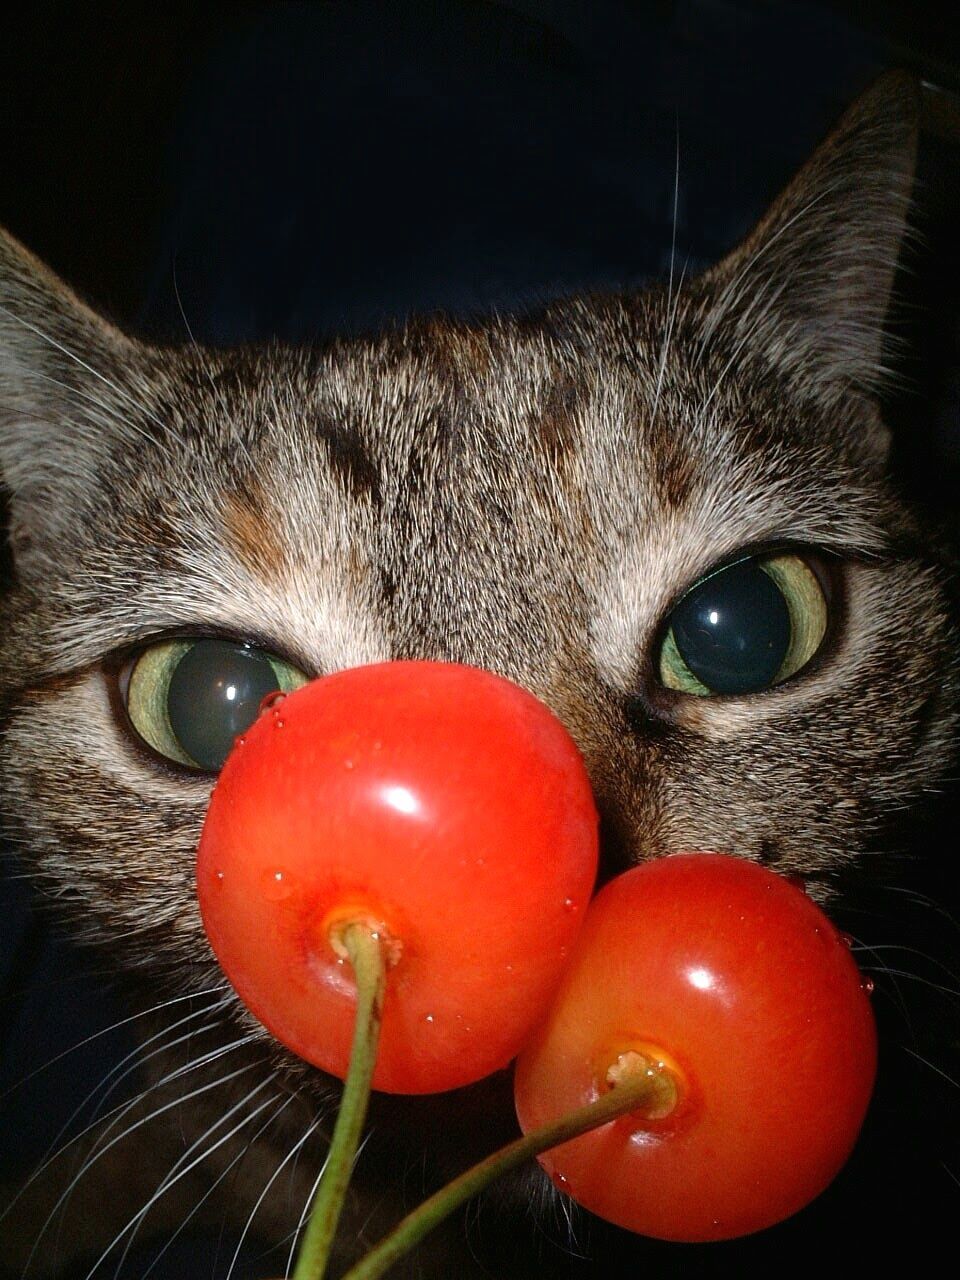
{"x": 745, "y": 628}
{"x": 189, "y": 699}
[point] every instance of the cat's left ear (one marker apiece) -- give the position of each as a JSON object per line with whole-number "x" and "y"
{"x": 62, "y": 405}
{"x": 808, "y": 291}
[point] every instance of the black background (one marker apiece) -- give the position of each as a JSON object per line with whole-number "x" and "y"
{"x": 261, "y": 169}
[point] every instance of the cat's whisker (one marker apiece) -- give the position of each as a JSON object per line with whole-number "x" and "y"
{"x": 932, "y": 1065}
{"x": 311, "y": 1128}
{"x": 923, "y": 899}
{"x": 117, "y": 1114}
{"x": 139, "y": 1062}
{"x": 885, "y": 970}
{"x": 204, "y": 359}
{"x": 183, "y": 1166}
{"x": 275, "y": 1115}
{"x": 98, "y": 1152}
{"x": 877, "y": 947}
{"x": 136, "y": 1059}
{"x": 671, "y": 307}
{"x": 304, "y": 1212}
{"x": 115, "y": 1026}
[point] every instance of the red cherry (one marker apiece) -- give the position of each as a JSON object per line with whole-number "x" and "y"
{"x": 738, "y": 982}
{"x": 444, "y": 804}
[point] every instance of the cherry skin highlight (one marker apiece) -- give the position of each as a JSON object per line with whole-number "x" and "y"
{"x": 443, "y": 805}
{"x": 739, "y": 983}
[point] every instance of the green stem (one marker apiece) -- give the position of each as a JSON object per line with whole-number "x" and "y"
{"x": 651, "y": 1088}
{"x": 364, "y": 948}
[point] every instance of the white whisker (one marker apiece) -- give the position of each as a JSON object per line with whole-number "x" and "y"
{"x": 270, "y": 1181}
{"x": 303, "y": 1216}
{"x": 99, "y": 1152}
{"x": 213, "y": 1186}
{"x": 933, "y": 1067}
{"x": 181, "y": 1169}
{"x": 114, "y": 1026}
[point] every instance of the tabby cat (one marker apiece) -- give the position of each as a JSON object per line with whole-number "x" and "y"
{"x": 667, "y": 513}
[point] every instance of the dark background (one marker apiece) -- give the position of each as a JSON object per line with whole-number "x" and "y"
{"x": 254, "y": 169}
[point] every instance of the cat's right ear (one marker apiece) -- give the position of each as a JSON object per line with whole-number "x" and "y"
{"x": 61, "y": 404}
{"x": 808, "y": 291}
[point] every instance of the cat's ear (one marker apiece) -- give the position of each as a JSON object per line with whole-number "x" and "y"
{"x": 808, "y": 291}
{"x": 61, "y": 407}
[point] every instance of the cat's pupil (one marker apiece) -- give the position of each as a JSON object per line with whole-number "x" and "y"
{"x": 214, "y": 695}
{"x": 733, "y": 630}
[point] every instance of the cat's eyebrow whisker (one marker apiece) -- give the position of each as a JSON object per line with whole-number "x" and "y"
{"x": 183, "y": 1166}
{"x": 205, "y": 364}
{"x": 275, "y": 1115}
{"x": 263, "y": 1194}
{"x": 672, "y": 306}
{"x": 99, "y": 1152}
{"x": 672, "y": 313}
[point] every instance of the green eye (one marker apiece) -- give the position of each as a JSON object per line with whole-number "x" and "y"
{"x": 745, "y": 628}
{"x": 189, "y": 699}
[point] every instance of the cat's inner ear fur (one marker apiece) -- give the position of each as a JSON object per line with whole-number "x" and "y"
{"x": 809, "y": 290}
{"x": 61, "y": 409}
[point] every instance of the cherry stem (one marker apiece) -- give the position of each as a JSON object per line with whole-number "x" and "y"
{"x": 364, "y": 948}
{"x": 652, "y": 1088}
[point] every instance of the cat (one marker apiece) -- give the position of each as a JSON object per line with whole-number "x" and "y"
{"x": 551, "y": 495}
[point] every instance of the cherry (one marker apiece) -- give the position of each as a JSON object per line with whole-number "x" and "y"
{"x": 442, "y": 807}
{"x": 734, "y": 981}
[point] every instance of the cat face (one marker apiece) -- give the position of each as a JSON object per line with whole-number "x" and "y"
{"x": 536, "y": 495}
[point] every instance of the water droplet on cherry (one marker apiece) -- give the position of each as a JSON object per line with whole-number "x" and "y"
{"x": 272, "y": 700}
{"x": 275, "y": 885}
{"x": 868, "y": 985}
